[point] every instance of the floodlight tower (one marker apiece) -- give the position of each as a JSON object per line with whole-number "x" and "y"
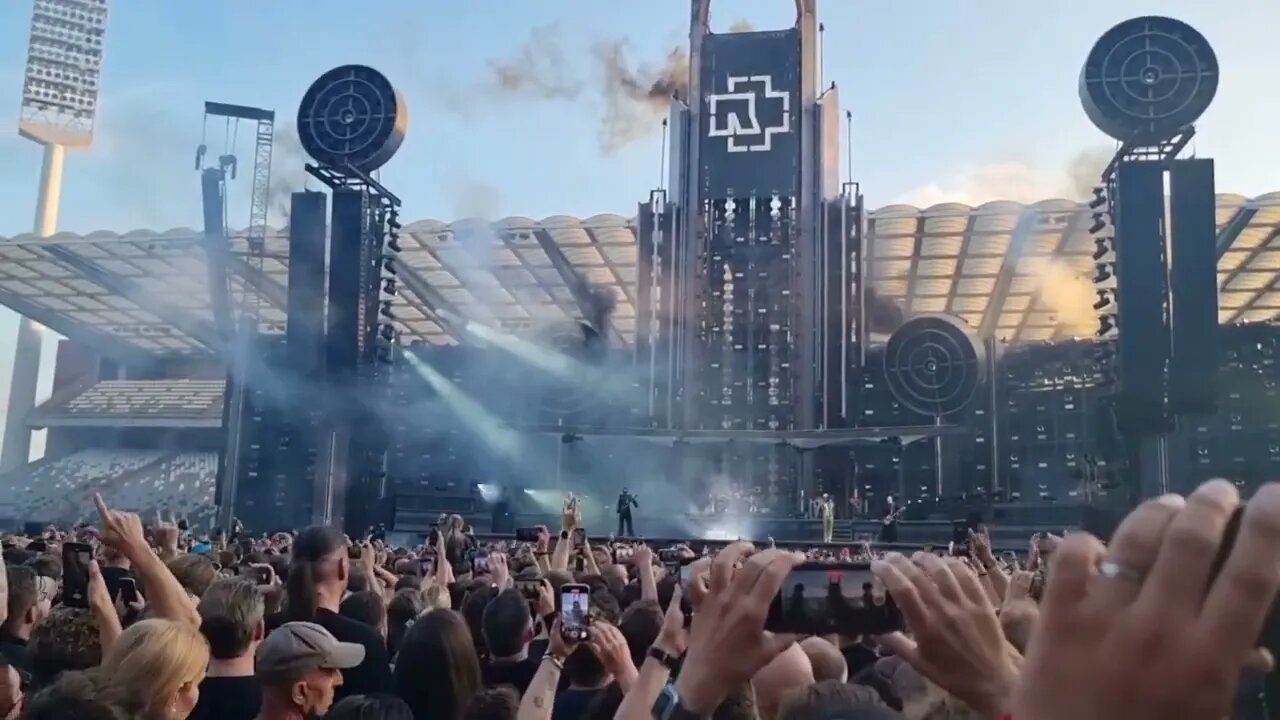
{"x": 59, "y": 105}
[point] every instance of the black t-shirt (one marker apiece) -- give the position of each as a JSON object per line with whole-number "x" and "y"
{"x": 227, "y": 698}
{"x": 14, "y": 649}
{"x": 517, "y": 674}
{"x": 573, "y": 703}
{"x": 371, "y": 677}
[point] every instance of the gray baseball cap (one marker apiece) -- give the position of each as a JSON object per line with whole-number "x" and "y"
{"x": 296, "y": 648}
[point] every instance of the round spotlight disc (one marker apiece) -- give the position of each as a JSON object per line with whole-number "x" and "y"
{"x": 934, "y": 364}
{"x": 1147, "y": 78}
{"x": 352, "y": 117}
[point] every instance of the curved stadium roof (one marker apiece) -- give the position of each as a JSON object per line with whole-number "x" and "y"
{"x": 1020, "y": 272}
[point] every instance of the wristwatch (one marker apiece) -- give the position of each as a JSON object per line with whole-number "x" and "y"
{"x": 669, "y": 707}
{"x": 668, "y": 660}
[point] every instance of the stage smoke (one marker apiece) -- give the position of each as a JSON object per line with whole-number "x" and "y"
{"x": 741, "y": 25}
{"x": 1068, "y": 294}
{"x": 883, "y": 315}
{"x": 539, "y": 68}
{"x": 636, "y": 98}
{"x": 288, "y": 173}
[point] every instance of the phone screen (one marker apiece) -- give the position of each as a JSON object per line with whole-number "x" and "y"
{"x": 575, "y": 610}
{"x": 427, "y": 565}
{"x": 75, "y": 574}
{"x": 480, "y": 564}
{"x": 826, "y": 599}
{"x": 128, "y": 590}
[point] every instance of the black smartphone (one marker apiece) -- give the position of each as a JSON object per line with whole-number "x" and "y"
{"x": 669, "y": 556}
{"x": 75, "y": 574}
{"x": 579, "y": 537}
{"x": 128, "y": 590}
{"x": 529, "y": 588}
{"x": 427, "y": 565}
{"x": 829, "y": 599}
{"x": 575, "y": 611}
{"x": 527, "y": 534}
{"x": 480, "y": 563}
{"x": 353, "y": 552}
{"x": 37, "y": 546}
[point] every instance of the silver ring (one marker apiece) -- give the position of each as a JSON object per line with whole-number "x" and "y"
{"x": 1112, "y": 570}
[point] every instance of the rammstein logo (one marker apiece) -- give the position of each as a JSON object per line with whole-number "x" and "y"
{"x": 739, "y": 121}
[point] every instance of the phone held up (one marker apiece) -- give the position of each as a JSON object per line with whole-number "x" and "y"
{"x": 75, "y": 574}
{"x": 828, "y": 599}
{"x": 575, "y": 611}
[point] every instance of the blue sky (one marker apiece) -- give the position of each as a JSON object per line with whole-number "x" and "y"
{"x": 953, "y": 99}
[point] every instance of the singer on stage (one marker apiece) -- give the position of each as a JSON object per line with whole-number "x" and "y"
{"x": 889, "y": 530}
{"x": 626, "y": 501}
{"x": 827, "y": 512}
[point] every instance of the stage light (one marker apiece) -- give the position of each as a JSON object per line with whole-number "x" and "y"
{"x": 393, "y": 220}
{"x": 389, "y": 287}
{"x": 393, "y": 243}
{"x": 1102, "y": 272}
{"x": 385, "y": 310}
{"x": 1102, "y": 300}
{"x": 1099, "y": 197}
{"x": 387, "y": 332}
{"x": 1099, "y": 222}
{"x": 389, "y": 266}
{"x": 1101, "y": 246}
{"x": 1106, "y": 323}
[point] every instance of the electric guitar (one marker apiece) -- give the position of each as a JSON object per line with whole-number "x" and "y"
{"x": 892, "y": 517}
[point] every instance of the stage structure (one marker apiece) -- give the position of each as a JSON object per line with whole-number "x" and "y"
{"x": 58, "y": 110}
{"x": 340, "y": 340}
{"x": 1145, "y": 83}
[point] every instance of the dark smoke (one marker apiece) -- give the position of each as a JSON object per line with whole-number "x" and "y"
{"x": 883, "y": 315}
{"x": 288, "y": 173}
{"x": 538, "y": 69}
{"x": 636, "y": 97}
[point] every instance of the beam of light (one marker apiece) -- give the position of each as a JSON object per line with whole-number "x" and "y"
{"x": 502, "y": 440}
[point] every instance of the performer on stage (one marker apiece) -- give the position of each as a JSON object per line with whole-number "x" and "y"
{"x": 827, "y": 513}
{"x": 626, "y": 501}
{"x": 889, "y": 530}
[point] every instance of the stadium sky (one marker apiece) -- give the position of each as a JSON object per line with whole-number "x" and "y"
{"x": 967, "y": 100}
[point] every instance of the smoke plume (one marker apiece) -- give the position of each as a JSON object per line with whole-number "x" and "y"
{"x": 1014, "y": 180}
{"x": 538, "y": 69}
{"x": 1068, "y": 294}
{"x": 883, "y": 315}
{"x": 741, "y": 25}
{"x": 636, "y": 97}
{"x": 288, "y": 173}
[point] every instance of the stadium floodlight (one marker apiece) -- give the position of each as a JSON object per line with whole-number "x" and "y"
{"x": 58, "y": 109}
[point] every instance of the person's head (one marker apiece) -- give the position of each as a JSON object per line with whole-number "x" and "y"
{"x": 786, "y": 672}
{"x": 74, "y": 695}
{"x": 65, "y": 640}
{"x": 231, "y": 618}
{"x": 827, "y": 661}
{"x": 438, "y": 671}
{"x": 299, "y": 667}
{"x": 195, "y": 572}
{"x": 834, "y": 699}
{"x": 640, "y": 625}
{"x": 370, "y": 707}
{"x": 154, "y": 669}
{"x": 402, "y": 611}
{"x": 508, "y": 626}
{"x": 319, "y": 564}
{"x": 472, "y": 608}
{"x": 367, "y": 607}
{"x": 739, "y": 705}
{"x": 30, "y": 600}
{"x": 47, "y": 565}
{"x": 500, "y": 703}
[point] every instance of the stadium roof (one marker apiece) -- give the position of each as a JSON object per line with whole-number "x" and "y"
{"x": 1020, "y": 272}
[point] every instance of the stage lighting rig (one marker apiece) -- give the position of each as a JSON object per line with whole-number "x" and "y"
{"x": 389, "y": 287}
{"x": 1099, "y": 197}
{"x": 1099, "y": 223}
{"x": 1102, "y": 272}
{"x": 1101, "y": 247}
{"x": 1106, "y": 323}
{"x": 1104, "y": 299}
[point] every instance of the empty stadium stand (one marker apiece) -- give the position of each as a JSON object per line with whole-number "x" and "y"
{"x": 143, "y": 481}
{"x": 187, "y": 403}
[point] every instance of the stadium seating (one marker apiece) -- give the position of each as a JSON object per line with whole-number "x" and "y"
{"x": 144, "y": 481}
{"x": 138, "y": 400}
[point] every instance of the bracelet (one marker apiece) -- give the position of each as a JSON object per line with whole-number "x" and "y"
{"x": 555, "y": 661}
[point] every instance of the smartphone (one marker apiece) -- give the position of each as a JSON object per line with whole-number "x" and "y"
{"x": 427, "y": 565}
{"x": 829, "y": 599}
{"x": 579, "y": 537}
{"x": 37, "y": 546}
{"x": 75, "y": 574}
{"x": 353, "y": 552}
{"x": 262, "y": 575}
{"x": 529, "y": 588}
{"x": 669, "y": 556}
{"x": 128, "y": 590}
{"x": 575, "y": 611}
{"x": 480, "y": 563}
{"x": 527, "y": 534}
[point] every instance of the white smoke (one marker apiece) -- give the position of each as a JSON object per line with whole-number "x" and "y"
{"x": 1014, "y": 180}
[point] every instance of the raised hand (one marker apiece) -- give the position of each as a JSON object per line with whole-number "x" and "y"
{"x": 1129, "y": 631}
{"x": 727, "y": 642}
{"x": 673, "y": 638}
{"x": 122, "y": 531}
{"x": 611, "y": 648}
{"x": 166, "y": 533}
{"x": 958, "y": 643}
{"x": 642, "y": 556}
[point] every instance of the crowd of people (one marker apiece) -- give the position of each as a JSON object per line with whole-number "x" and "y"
{"x": 1162, "y": 622}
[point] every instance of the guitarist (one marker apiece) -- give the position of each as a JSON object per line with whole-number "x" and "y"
{"x": 827, "y": 513}
{"x": 889, "y": 528}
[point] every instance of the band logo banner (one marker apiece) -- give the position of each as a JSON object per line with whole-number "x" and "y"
{"x": 751, "y": 114}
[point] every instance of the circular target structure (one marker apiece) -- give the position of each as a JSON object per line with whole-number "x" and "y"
{"x": 581, "y": 343}
{"x": 934, "y": 364}
{"x": 1147, "y": 78}
{"x": 352, "y": 117}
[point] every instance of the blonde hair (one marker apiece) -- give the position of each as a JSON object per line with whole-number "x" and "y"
{"x": 436, "y": 597}
{"x": 149, "y": 663}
